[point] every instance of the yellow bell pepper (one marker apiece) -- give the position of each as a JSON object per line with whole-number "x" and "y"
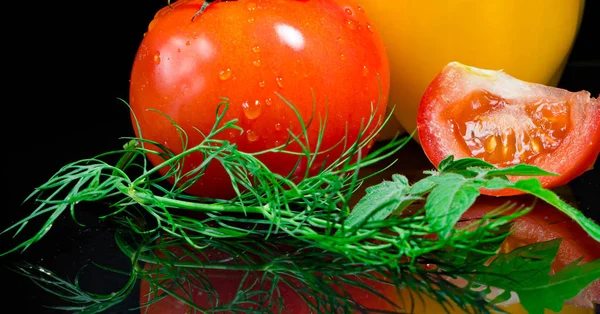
{"x": 529, "y": 39}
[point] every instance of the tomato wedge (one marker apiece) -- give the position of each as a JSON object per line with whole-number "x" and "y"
{"x": 489, "y": 114}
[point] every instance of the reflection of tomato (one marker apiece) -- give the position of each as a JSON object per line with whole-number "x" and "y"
{"x": 321, "y": 52}
{"x": 545, "y": 223}
{"x": 467, "y": 111}
{"x": 226, "y": 283}
{"x": 530, "y": 39}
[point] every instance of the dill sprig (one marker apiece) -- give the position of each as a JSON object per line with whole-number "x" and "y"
{"x": 328, "y": 243}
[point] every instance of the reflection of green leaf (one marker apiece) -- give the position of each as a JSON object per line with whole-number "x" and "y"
{"x": 510, "y": 270}
{"x": 553, "y": 291}
{"x": 526, "y": 270}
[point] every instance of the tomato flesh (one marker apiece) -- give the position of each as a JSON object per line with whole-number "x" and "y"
{"x": 506, "y": 133}
{"x": 488, "y": 114}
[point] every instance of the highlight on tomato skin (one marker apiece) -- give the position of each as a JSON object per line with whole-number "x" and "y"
{"x": 544, "y": 223}
{"x": 323, "y": 57}
{"x": 489, "y": 114}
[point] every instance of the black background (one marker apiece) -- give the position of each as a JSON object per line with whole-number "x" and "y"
{"x": 66, "y": 64}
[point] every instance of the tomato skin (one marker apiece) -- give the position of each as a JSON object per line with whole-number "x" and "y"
{"x": 575, "y": 155}
{"x": 544, "y": 223}
{"x": 250, "y": 52}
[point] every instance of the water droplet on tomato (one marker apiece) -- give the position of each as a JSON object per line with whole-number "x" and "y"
{"x": 316, "y": 167}
{"x": 225, "y": 74}
{"x": 279, "y": 81}
{"x": 256, "y": 63}
{"x": 369, "y": 27}
{"x": 342, "y": 57}
{"x": 252, "y": 136}
{"x": 157, "y": 58}
{"x": 187, "y": 43}
{"x": 269, "y": 101}
{"x": 256, "y": 49}
{"x": 365, "y": 71}
{"x": 348, "y": 11}
{"x": 232, "y": 134}
{"x": 251, "y": 20}
{"x": 340, "y": 40}
{"x": 261, "y": 83}
{"x": 278, "y": 126}
{"x": 360, "y": 9}
{"x": 251, "y": 6}
{"x": 252, "y": 109}
{"x": 277, "y": 142}
{"x": 351, "y": 24}
{"x": 178, "y": 49}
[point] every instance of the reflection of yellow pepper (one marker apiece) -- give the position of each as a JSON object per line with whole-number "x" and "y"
{"x": 529, "y": 39}
{"x": 428, "y": 306}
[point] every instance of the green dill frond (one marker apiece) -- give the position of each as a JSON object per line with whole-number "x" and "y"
{"x": 284, "y": 232}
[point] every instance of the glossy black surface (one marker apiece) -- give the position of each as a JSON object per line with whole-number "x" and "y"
{"x": 68, "y": 60}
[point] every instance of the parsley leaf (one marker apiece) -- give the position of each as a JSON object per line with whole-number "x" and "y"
{"x": 456, "y": 185}
{"x": 448, "y": 201}
{"x": 380, "y": 201}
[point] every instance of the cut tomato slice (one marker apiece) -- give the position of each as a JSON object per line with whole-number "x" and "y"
{"x": 488, "y": 114}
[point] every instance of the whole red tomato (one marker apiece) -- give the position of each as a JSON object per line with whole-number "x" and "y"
{"x": 324, "y": 57}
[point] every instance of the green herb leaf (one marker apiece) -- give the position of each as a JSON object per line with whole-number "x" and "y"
{"x": 380, "y": 201}
{"x": 450, "y": 165}
{"x": 448, "y": 201}
{"x": 488, "y": 176}
{"x": 521, "y": 170}
{"x": 534, "y": 187}
{"x": 423, "y": 186}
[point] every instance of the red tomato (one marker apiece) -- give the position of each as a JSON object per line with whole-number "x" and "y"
{"x": 472, "y": 112}
{"x": 545, "y": 223}
{"x": 323, "y": 56}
